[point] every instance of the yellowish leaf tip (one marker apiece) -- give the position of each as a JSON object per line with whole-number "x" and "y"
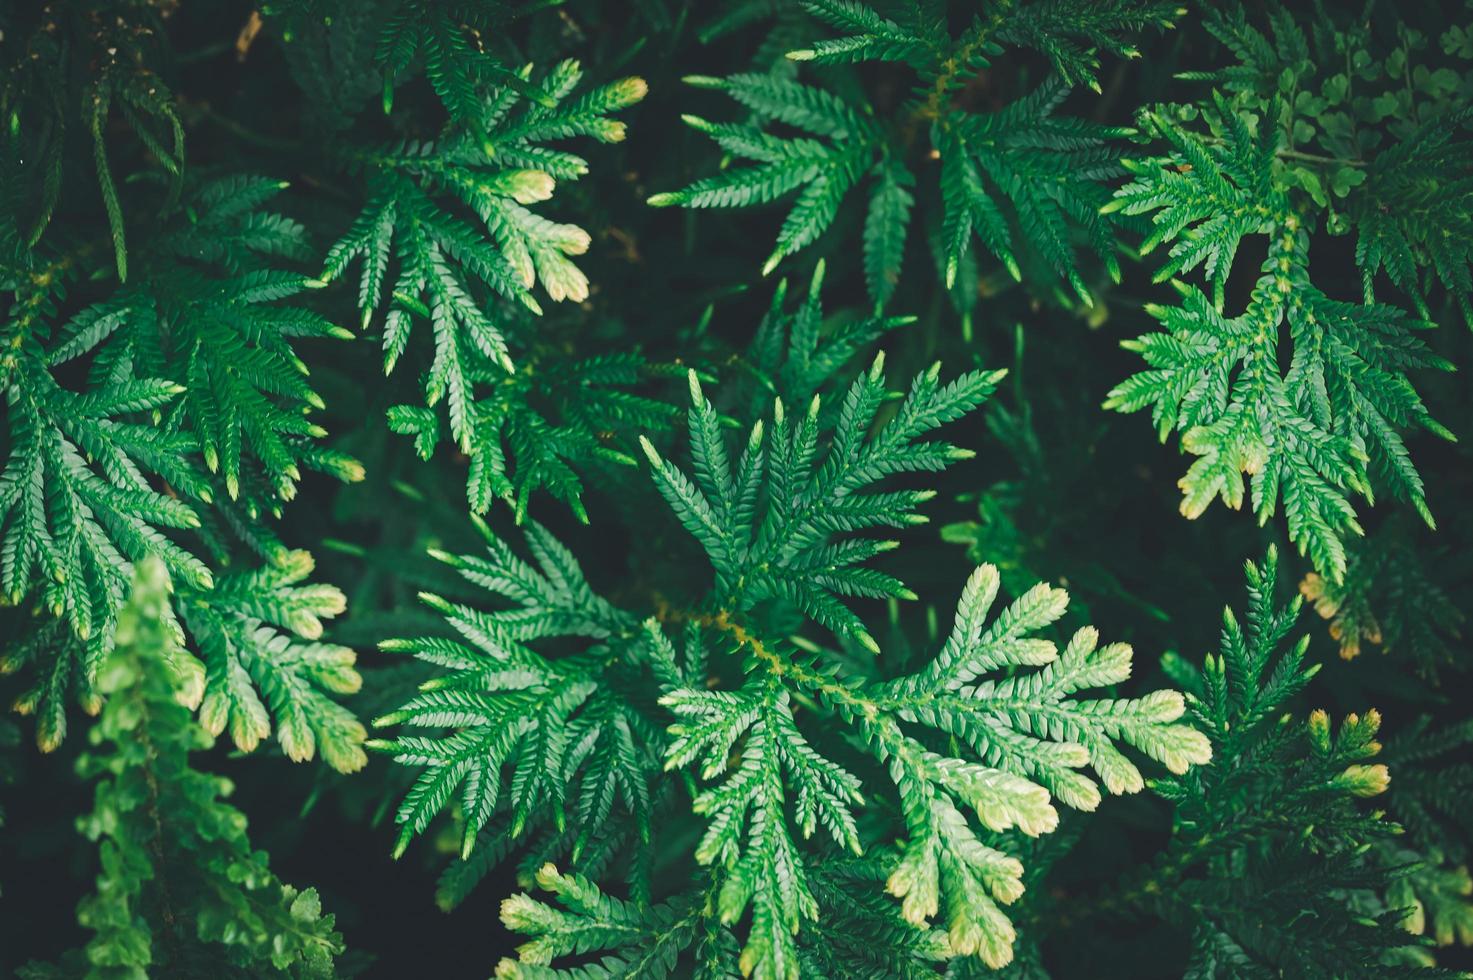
{"x": 632, "y": 89}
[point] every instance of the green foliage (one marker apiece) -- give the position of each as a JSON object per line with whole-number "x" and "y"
{"x": 1018, "y": 180}
{"x": 1284, "y": 150}
{"x": 180, "y": 890}
{"x": 775, "y": 524}
{"x": 648, "y": 940}
{"x": 252, "y": 673}
{"x": 519, "y": 446}
{"x": 1029, "y": 522}
{"x": 766, "y": 522}
{"x": 1372, "y": 134}
{"x": 1270, "y": 838}
{"x": 569, "y": 744}
{"x": 727, "y": 728}
{"x": 494, "y": 163}
{"x": 247, "y": 389}
{"x": 1429, "y": 798}
{"x": 94, "y": 480}
{"x": 457, "y": 70}
{"x": 1391, "y": 599}
{"x": 794, "y": 355}
{"x": 36, "y": 100}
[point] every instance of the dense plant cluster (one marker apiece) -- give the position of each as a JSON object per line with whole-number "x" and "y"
{"x": 665, "y": 469}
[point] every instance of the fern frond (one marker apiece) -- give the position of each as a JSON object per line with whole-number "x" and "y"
{"x": 1014, "y": 743}
{"x": 1310, "y": 434}
{"x": 180, "y": 888}
{"x": 1271, "y": 155}
{"x": 574, "y": 744}
{"x": 769, "y": 535}
{"x": 447, "y": 270}
{"x": 1019, "y": 179}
